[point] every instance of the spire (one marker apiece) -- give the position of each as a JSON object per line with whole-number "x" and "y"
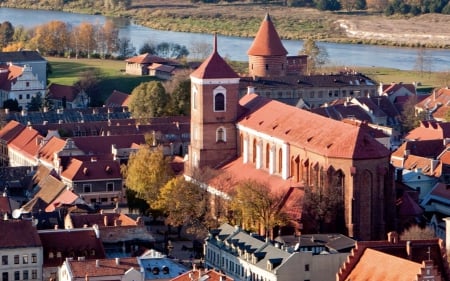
{"x": 215, "y": 43}
{"x": 267, "y": 41}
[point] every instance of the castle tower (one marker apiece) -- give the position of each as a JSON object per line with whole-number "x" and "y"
{"x": 214, "y": 106}
{"x": 267, "y": 55}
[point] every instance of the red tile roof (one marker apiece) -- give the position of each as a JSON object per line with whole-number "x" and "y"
{"x": 147, "y": 59}
{"x": 70, "y": 243}
{"x": 162, "y": 67}
{"x": 9, "y": 74}
{"x": 79, "y": 220}
{"x": 210, "y": 275}
{"x": 5, "y": 206}
{"x": 394, "y": 87}
{"x": 430, "y": 130}
{"x": 313, "y": 132}
{"x": 58, "y": 92}
{"x": 78, "y": 170}
{"x": 378, "y": 266}
{"x": 98, "y": 145}
{"x": 267, "y": 42}
{"x": 106, "y": 267}
{"x": 18, "y": 234}
{"x": 214, "y": 67}
{"x": 28, "y": 142}
{"x": 117, "y": 99}
{"x": 11, "y": 130}
{"x": 48, "y": 150}
{"x": 65, "y": 197}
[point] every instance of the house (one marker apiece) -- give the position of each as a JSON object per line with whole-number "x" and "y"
{"x": 60, "y": 245}
{"x": 257, "y": 138}
{"x": 161, "y": 71}
{"x": 21, "y": 251}
{"x": 140, "y": 65}
{"x": 244, "y": 256}
{"x": 155, "y": 265}
{"x": 63, "y": 96}
{"x": 126, "y": 269}
{"x": 19, "y": 83}
{"x": 31, "y": 58}
{"x": 395, "y": 90}
{"x": 436, "y": 104}
{"x": 399, "y": 260}
{"x": 23, "y": 148}
{"x": 8, "y": 133}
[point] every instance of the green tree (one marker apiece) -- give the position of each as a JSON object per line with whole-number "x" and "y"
{"x": 146, "y": 172}
{"x": 125, "y": 47}
{"x": 35, "y": 103}
{"x": 317, "y": 55}
{"x": 254, "y": 202}
{"x": 148, "y": 100}
{"x": 6, "y": 34}
{"x": 148, "y": 47}
{"x": 328, "y": 5}
{"x": 89, "y": 83}
{"x": 180, "y": 99}
{"x": 12, "y": 105}
{"x": 185, "y": 204}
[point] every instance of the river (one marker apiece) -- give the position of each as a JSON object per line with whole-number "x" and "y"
{"x": 235, "y": 48}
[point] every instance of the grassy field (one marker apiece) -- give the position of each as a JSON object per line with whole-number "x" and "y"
{"x": 67, "y": 71}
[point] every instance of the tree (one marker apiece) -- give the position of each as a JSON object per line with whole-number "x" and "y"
{"x": 146, "y": 173}
{"x": 409, "y": 118}
{"x": 328, "y": 5}
{"x": 423, "y": 62}
{"x": 254, "y": 202}
{"x": 35, "y": 103}
{"x": 317, "y": 55}
{"x": 322, "y": 206}
{"x": 125, "y": 48}
{"x": 180, "y": 95}
{"x": 51, "y": 38}
{"x": 148, "y": 47}
{"x": 89, "y": 83}
{"x": 171, "y": 50}
{"x": 85, "y": 39}
{"x": 12, "y": 105}
{"x": 107, "y": 39}
{"x": 6, "y": 34}
{"x": 185, "y": 204}
{"x": 148, "y": 100}
{"x": 200, "y": 50}
{"x": 416, "y": 232}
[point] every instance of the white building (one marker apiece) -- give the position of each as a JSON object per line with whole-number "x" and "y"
{"x": 20, "y": 250}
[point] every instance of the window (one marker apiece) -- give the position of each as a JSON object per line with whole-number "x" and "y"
{"x": 5, "y": 276}
{"x": 34, "y": 274}
{"x": 93, "y": 200}
{"x": 27, "y": 84}
{"x": 306, "y": 267}
{"x": 20, "y": 97}
{"x": 194, "y": 97}
{"x": 33, "y": 258}
{"x": 267, "y": 67}
{"x": 4, "y": 260}
{"x": 16, "y": 259}
{"x": 16, "y": 275}
{"x": 86, "y": 188}
{"x": 25, "y": 275}
{"x": 219, "y": 102}
{"x": 25, "y": 259}
{"x": 109, "y": 186}
{"x": 28, "y": 96}
{"x": 311, "y": 94}
{"x": 220, "y": 135}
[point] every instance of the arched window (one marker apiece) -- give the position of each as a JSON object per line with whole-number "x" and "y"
{"x": 280, "y": 160}
{"x": 219, "y": 102}
{"x": 267, "y": 156}
{"x": 221, "y": 135}
{"x": 194, "y": 97}
{"x": 254, "y": 151}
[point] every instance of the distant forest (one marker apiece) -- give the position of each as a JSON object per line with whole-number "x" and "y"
{"x": 388, "y": 7}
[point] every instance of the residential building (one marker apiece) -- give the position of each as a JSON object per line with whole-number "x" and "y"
{"x": 23, "y": 148}
{"x": 290, "y": 148}
{"x": 19, "y": 83}
{"x": 200, "y": 274}
{"x": 63, "y": 96}
{"x": 146, "y": 64}
{"x": 7, "y": 134}
{"x": 435, "y": 105}
{"x": 395, "y": 90}
{"x": 117, "y": 99}
{"x": 243, "y": 256}
{"x": 396, "y": 259}
{"x": 61, "y": 244}
{"x": 30, "y": 58}
{"x": 21, "y": 251}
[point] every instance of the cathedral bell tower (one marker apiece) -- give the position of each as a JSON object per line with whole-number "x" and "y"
{"x": 214, "y": 109}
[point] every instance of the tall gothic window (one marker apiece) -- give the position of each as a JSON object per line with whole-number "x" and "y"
{"x": 219, "y": 102}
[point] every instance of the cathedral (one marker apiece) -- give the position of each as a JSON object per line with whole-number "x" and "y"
{"x": 251, "y": 136}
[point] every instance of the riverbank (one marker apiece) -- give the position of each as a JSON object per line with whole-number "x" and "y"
{"x": 243, "y": 20}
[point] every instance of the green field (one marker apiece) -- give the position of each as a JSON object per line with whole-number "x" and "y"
{"x": 67, "y": 71}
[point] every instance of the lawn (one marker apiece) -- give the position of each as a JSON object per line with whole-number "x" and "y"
{"x": 67, "y": 71}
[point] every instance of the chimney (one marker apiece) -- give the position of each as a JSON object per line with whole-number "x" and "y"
{"x": 250, "y": 90}
{"x": 222, "y": 277}
{"x": 409, "y": 250}
{"x": 96, "y": 230}
{"x": 393, "y": 237}
{"x": 56, "y": 227}
{"x": 117, "y": 261}
{"x": 5, "y": 217}
{"x": 105, "y": 220}
{"x": 97, "y": 263}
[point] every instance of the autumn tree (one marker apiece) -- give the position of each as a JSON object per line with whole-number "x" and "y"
{"x": 185, "y": 204}
{"x": 416, "y": 232}
{"x": 148, "y": 100}
{"x": 109, "y": 42}
{"x": 51, "y": 38}
{"x": 254, "y": 202}
{"x": 146, "y": 173}
{"x": 84, "y": 38}
{"x": 317, "y": 55}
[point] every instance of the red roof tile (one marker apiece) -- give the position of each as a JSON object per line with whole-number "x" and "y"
{"x": 59, "y": 92}
{"x": 98, "y": 145}
{"x": 18, "y": 234}
{"x": 147, "y": 59}
{"x": 117, "y": 99}
{"x": 430, "y": 130}
{"x": 78, "y": 170}
{"x": 79, "y": 220}
{"x": 267, "y": 42}
{"x": 11, "y": 130}
{"x": 65, "y": 197}
{"x": 48, "y": 150}
{"x": 313, "y": 132}
{"x": 210, "y": 275}
{"x": 214, "y": 67}
{"x": 106, "y": 267}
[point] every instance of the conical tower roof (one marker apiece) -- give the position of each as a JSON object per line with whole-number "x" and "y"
{"x": 267, "y": 42}
{"x": 214, "y": 67}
